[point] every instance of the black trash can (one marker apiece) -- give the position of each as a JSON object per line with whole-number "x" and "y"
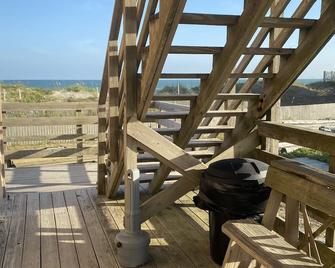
{"x": 231, "y": 189}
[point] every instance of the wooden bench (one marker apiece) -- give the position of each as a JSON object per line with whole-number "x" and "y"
{"x": 301, "y": 187}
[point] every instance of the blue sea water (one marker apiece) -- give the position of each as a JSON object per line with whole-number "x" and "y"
{"x": 58, "y": 84}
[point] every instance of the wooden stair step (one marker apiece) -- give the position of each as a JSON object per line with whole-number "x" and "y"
{"x": 192, "y": 97}
{"x": 204, "y": 143}
{"x": 182, "y": 114}
{"x": 184, "y": 75}
{"x": 251, "y": 75}
{"x": 228, "y": 20}
{"x": 215, "y": 50}
{"x": 205, "y": 75}
{"x": 222, "y": 113}
{"x": 148, "y": 166}
{"x": 200, "y": 130}
{"x": 145, "y": 157}
{"x": 148, "y": 176}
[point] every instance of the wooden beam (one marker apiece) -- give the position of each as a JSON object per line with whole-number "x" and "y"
{"x": 220, "y": 96}
{"x": 302, "y": 190}
{"x": 230, "y": 20}
{"x": 216, "y": 50}
{"x": 50, "y": 152}
{"x": 48, "y": 106}
{"x": 315, "y": 40}
{"x": 152, "y": 116}
{"x": 162, "y": 31}
{"x": 164, "y": 150}
{"x": 143, "y": 36}
{"x": 131, "y": 92}
{"x": 171, "y": 155}
{"x": 238, "y": 39}
{"x": 49, "y": 121}
{"x": 113, "y": 35}
{"x": 315, "y": 139}
{"x": 310, "y": 173}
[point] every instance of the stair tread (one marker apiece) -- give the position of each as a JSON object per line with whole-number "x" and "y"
{"x": 226, "y": 20}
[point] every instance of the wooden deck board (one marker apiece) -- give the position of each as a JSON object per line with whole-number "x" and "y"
{"x": 66, "y": 245}
{"x": 14, "y": 247}
{"x": 49, "y": 246}
{"x": 74, "y": 227}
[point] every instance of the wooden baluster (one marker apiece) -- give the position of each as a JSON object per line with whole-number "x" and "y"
{"x": 2, "y": 153}
{"x": 79, "y": 141}
{"x": 101, "y": 149}
{"x": 330, "y": 233}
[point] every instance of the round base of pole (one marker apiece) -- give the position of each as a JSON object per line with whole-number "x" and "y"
{"x": 132, "y": 248}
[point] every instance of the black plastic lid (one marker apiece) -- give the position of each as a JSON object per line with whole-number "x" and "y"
{"x": 237, "y": 169}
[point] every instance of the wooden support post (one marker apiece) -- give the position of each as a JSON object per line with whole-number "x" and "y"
{"x": 2, "y": 154}
{"x": 330, "y": 233}
{"x": 130, "y": 61}
{"x": 101, "y": 149}
{"x": 273, "y": 114}
{"x": 79, "y": 141}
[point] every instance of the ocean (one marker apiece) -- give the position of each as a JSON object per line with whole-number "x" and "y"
{"x": 58, "y": 84}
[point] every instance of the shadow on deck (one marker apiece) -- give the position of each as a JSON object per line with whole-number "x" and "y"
{"x": 51, "y": 225}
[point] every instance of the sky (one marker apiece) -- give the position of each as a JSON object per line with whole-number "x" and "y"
{"x": 67, "y": 39}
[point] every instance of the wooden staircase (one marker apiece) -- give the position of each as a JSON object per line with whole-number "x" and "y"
{"x": 174, "y": 137}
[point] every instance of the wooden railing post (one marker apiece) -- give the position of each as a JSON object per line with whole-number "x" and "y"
{"x": 330, "y": 233}
{"x": 2, "y": 154}
{"x": 79, "y": 141}
{"x": 130, "y": 62}
{"x": 101, "y": 149}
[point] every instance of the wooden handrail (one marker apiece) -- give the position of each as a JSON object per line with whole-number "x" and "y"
{"x": 48, "y": 106}
{"x": 314, "y": 139}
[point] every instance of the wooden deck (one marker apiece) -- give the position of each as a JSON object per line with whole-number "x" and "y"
{"x": 76, "y": 228}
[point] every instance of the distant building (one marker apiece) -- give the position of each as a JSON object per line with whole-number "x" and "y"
{"x": 328, "y": 76}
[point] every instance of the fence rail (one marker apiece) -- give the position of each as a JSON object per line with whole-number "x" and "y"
{"x": 44, "y": 130}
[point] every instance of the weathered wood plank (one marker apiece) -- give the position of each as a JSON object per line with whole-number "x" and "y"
{"x": 102, "y": 249}
{"x": 220, "y": 96}
{"x": 106, "y": 219}
{"x": 318, "y": 140}
{"x": 32, "y": 239}
{"x": 302, "y": 190}
{"x": 49, "y": 243}
{"x": 2, "y": 153}
{"x": 48, "y": 106}
{"x": 84, "y": 248}
{"x": 227, "y": 20}
{"x": 51, "y": 152}
{"x": 162, "y": 30}
{"x": 113, "y": 35}
{"x": 6, "y": 212}
{"x": 49, "y": 121}
{"x": 165, "y": 151}
{"x": 65, "y": 233}
{"x": 60, "y": 137}
{"x": 216, "y": 50}
{"x": 15, "y": 243}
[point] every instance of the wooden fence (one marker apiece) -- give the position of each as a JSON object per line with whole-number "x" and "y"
{"x": 50, "y": 130}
